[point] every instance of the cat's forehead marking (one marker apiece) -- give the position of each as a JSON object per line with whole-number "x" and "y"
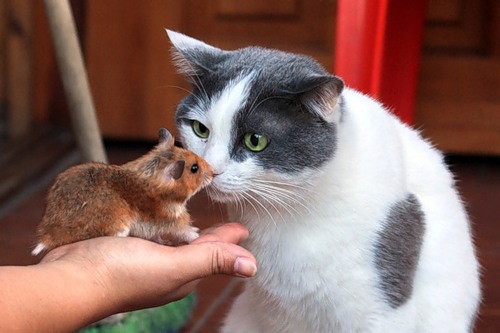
{"x": 221, "y": 114}
{"x": 225, "y": 105}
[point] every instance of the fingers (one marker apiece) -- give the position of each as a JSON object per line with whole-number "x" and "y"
{"x": 225, "y": 258}
{"x": 210, "y": 258}
{"x": 228, "y": 232}
{"x": 214, "y": 252}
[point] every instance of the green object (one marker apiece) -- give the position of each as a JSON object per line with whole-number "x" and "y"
{"x": 169, "y": 318}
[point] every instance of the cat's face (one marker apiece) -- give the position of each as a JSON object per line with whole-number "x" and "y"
{"x": 264, "y": 120}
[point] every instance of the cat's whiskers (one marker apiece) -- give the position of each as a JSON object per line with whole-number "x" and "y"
{"x": 264, "y": 100}
{"x": 252, "y": 107}
{"x": 285, "y": 199}
{"x": 257, "y": 205}
{"x": 238, "y": 199}
{"x": 199, "y": 84}
{"x": 287, "y": 184}
{"x": 274, "y": 198}
{"x": 291, "y": 190}
{"x": 199, "y": 99}
{"x": 242, "y": 199}
{"x": 239, "y": 205}
{"x": 195, "y": 80}
{"x": 281, "y": 196}
{"x": 289, "y": 196}
{"x": 213, "y": 202}
{"x": 267, "y": 198}
{"x": 246, "y": 195}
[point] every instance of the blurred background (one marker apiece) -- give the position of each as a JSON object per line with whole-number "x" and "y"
{"x": 450, "y": 59}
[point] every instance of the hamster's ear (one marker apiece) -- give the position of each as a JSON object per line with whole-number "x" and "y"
{"x": 193, "y": 57}
{"x": 149, "y": 168}
{"x": 175, "y": 170}
{"x": 165, "y": 138}
{"x": 319, "y": 94}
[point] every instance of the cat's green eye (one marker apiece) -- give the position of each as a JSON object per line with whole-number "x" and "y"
{"x": 256, "y": 142}
{"x": 200, "y": 130}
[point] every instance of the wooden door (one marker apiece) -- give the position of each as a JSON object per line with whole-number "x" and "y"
{"x": 16, "y": 68}
{"x": 458, "y": 105}
{"x": 134, "y": 84}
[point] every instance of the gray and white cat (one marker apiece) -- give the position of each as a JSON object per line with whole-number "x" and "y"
{"x": 353, "y": 217}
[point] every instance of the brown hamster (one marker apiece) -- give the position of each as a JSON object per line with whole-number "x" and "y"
{"x": 144, "y": 198}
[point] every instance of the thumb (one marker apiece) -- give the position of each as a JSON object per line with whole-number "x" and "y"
{"x": 211, "y": 258}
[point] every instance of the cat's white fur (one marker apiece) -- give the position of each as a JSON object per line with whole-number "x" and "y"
{"x": 316, "y": 268}
{"x": 309, "y": 287}
{"x": 219, "y": 117}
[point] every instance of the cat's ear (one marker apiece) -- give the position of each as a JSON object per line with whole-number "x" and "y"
{"x": 175, "y": 170}
{"x": 319, "y": 94}
{"x": 165, "y": 139}
{"x": 191, "y": 56}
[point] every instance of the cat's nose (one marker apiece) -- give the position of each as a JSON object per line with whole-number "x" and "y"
{"x": 216, "y": 164}
{"x": 217, "y": 159}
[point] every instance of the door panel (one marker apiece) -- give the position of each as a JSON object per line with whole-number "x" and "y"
{"x": 134, "y": 84}
{"x": 458, "y": 104}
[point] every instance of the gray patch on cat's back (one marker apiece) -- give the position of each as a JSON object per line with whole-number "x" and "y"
{"x": 397, "y": 250}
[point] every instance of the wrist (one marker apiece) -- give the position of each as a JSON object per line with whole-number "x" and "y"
{"x": 88, "y": 290}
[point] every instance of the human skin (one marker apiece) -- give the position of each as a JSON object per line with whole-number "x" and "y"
{"x": 77, "y": 284}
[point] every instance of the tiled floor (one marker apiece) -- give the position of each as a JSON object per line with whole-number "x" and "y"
{"x": 479, "y": 182}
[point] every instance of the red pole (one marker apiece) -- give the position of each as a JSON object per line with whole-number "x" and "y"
{"x": 378, "y": 49}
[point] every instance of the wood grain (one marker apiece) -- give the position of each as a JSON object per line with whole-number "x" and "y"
{"x": 458, "y": 104}
{"x": 134, "y": 84}
{"x": 19, "y": 71}
{"x": 3, "y": 54}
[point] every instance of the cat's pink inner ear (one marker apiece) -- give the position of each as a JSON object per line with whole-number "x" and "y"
{"x": 183, "y": 46}
{"x": 175, "y": 170}
{"x": 322, "y": 98}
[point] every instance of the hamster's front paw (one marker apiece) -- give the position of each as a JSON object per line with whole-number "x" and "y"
{"x": 190, "y": 234}
{"x": 186, "y": 235}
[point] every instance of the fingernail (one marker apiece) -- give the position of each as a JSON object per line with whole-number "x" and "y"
{"x": 244, "y": 267}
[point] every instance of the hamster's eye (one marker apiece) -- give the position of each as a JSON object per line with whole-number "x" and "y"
{"x": 200, "y": 130}
{"x": 194, "y": 168}
{"x": 255, "y": 142}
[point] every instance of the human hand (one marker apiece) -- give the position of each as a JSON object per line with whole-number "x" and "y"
{"x": 134, "y": 273}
